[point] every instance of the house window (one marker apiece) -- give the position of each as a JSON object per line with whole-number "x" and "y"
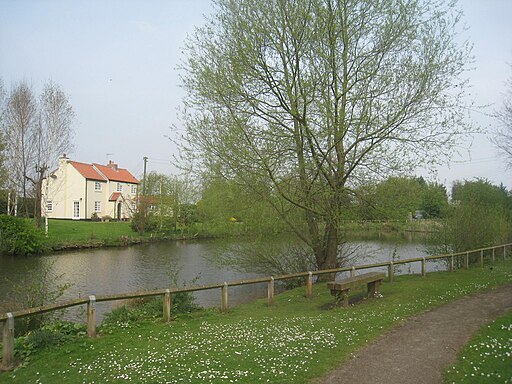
{"x": 119, "y": 187}
{"x": 97, "y": 206}
{"x": 97, "y": 186}
{"x": 134, "y": 189}
{"x": 49, "y": 206}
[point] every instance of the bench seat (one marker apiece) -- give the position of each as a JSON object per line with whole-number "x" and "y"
{"x": 341, "y": 288}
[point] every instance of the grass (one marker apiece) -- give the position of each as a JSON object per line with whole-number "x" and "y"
{"x": 291, "y": 342}
{"x": 69, "y": 233}
{"x": 488, "y": 356}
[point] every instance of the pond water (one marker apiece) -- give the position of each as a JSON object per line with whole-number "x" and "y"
{"x": 153, "y": 266}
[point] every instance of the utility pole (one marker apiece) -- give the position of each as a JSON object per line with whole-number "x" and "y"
{"x": 144, "y": 177}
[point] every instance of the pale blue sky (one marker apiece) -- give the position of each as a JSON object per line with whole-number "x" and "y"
{"x": 117, "y": 62}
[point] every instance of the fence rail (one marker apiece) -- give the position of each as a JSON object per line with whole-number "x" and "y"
{"x": 7, "y": 319}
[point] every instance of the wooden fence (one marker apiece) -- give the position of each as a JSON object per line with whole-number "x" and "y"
{"x": 7, "y": 319}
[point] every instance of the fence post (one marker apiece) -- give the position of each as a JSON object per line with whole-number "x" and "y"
{"x": 353, "y": 272}
{"x": 466, "y": 261}
{"x": 493, "y": 255}
{"x": 8, "y": 343}
{"x": 390, "y": 271}
{"x": 504, "y": 252}
{"x": 91, "y": 316}
{"x": 167, "y": 305}
{"x": 451, "y": 264}
{"x": 482, "y": 258}
{"x": 224, "y": 293}
{"x": 309, "y": 285}
{"x": 423, "y": 268}
{"x": 271, "y": 292}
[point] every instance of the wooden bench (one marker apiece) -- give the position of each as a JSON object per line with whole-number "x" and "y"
{"x": 341, "y": 288}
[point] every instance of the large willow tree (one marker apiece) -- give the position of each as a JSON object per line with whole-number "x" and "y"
{"x": 300, "y": 100}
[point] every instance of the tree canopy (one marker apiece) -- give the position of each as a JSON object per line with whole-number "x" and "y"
{"x": 303, "y": 100}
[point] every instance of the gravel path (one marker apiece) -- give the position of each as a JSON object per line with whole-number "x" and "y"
{"x": 418, "y": 350}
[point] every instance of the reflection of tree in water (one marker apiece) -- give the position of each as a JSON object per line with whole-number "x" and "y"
{"x": 35, "y": 288}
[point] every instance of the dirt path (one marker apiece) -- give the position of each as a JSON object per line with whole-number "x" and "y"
{"x": 418, "y": 350}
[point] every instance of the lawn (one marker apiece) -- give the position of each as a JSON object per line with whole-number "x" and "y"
{"x": 488, "y": 356}
{"x": 70, "y": 233}
{"x": 291, "y": 342}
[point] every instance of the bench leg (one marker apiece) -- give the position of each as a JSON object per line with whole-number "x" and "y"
{"x": 342, "y": 298}
{"x": 373, "y": 287}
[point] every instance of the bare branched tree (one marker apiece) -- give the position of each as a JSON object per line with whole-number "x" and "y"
{"x": 503, "y": 137}
{"x": 36, "y": 133}
{"x": 20, "y": 123}
{"x": 53, "y": 138}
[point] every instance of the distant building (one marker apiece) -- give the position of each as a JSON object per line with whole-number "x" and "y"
{"x": 81, "y": 191}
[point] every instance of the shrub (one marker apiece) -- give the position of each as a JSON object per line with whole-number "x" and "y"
{"x": 51, "y": 334}
{"x": 19, "y": 237}
{"x": 147, "y": 309}
{"x": 143, "y": 222}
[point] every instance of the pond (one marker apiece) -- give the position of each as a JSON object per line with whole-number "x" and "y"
{"x": 161, "y": 265}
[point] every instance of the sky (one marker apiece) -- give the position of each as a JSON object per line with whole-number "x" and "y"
{"x": 118, "y": 63}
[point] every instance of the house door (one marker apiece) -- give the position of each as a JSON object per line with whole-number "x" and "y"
{"x": 76, "y": 210}
{"x": 119, "y": 211}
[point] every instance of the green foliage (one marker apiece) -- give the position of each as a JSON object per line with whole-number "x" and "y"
{"x": 479, "y": 216}
{"x": 19, "y": 237}
{"x": 144, "y": 222}
{"x": 51, "y": 334}
{"x": 223, "y": 200}
{"x": 135, "y": 311}
{"x": 434, "y": 200}
{"x": 166, "y": 206}
{"x": 483, "y": 193}
{"x": 397, "y": 197}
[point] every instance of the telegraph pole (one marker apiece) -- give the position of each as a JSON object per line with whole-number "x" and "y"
{"x": 145, "y": 158}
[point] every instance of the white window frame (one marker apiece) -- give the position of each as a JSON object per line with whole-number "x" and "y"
{"x": 97, "y": 206}
{"x": 119, "y": 187}
{"x": 49, "y": 206}
{"x": 97, "y": 186}
{"x": 134, "y": 189}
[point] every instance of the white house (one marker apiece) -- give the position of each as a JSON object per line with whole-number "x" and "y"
{"x": 79, "y": 191}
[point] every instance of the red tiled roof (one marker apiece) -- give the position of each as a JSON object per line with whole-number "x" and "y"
{"x": 118, "y": 174}
{"x": 114, "y": 196}
{"x": 87, "y": 171}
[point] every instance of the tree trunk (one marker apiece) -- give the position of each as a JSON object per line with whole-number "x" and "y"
{"x": 37, "y": 203}
{"x": 326, "y": 250}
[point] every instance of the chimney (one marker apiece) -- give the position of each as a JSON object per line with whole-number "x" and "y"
{"x": 63, "y": 159}
{"x": 112, "y": 165}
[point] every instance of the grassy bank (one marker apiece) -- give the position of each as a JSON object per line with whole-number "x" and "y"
{"x": 292, "y": 342}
